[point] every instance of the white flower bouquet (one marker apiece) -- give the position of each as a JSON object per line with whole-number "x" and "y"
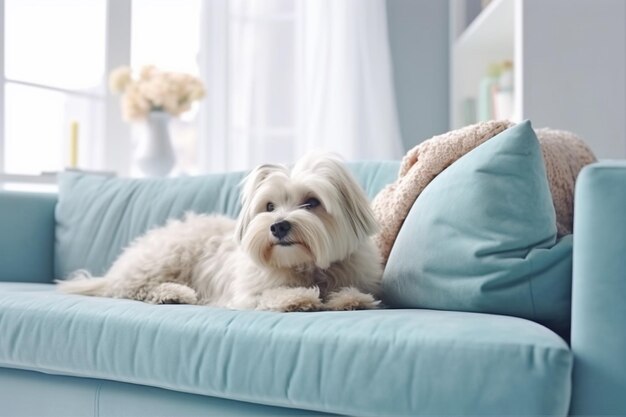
{"x": 154, "y": 90}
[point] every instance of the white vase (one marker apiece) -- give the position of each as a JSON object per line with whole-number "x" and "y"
{"x": 154, "y": 155}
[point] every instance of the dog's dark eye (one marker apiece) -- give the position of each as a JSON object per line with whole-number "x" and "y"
{"x": 269, "y": 207}
{"x": 311, "y": 203}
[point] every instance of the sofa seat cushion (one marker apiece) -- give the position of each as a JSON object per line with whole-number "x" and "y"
{"x": 384, "y": 362}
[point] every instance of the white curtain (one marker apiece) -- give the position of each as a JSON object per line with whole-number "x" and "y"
{"x": 298, "y": 76}
{"x": 262, "y": 87}
{"x": 347, "y": 102}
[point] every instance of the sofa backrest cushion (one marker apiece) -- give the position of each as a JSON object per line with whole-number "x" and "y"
{"x": 482, "y": 237}
{"x": 97, "y": 216}
{"x": 26, "y": 234}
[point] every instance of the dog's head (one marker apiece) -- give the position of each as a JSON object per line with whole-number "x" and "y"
{"x": 312, "y": 214}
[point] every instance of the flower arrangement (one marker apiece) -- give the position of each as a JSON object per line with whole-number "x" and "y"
{"x": 154, "y": 90}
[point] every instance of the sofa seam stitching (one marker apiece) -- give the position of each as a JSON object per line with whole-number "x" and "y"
{"x": 96, "y": 401}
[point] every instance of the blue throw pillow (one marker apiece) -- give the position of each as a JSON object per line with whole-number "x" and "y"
{"x": 482, "y": 238}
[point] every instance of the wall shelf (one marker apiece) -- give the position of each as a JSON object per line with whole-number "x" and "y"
{"x": 569, "y": 61}
{"x": 492, "y": 28}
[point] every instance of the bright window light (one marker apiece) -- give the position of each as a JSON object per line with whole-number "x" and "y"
{"x": 56, "y": 43}
{"x": 166, "y": 33}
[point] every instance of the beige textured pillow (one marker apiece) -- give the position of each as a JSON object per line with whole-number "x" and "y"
{"x": 564, "y": 153}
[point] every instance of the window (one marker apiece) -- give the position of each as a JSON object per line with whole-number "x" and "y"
{"x": 57, "y": 55}
{"x": 53, "y": 75}
{"x": 282, "y": 77}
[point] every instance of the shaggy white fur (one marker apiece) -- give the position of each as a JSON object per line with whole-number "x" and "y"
{"x": 301, "y": 243}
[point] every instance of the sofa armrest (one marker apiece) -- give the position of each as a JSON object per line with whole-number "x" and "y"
{"x": 26, "y": 236}
{"x": 599, "y": 291}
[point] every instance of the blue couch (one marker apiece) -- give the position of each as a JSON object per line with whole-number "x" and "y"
{"x": 66, "y": 355}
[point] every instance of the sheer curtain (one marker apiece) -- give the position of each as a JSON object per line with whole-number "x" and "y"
{"x": 347, "y": 99}
{"x": 286, "y": 77}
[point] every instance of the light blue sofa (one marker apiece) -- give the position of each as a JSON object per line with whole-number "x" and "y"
{"x": 64, "y": 355}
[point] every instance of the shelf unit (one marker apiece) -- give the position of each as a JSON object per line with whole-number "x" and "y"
{"x": 569, "y": 63}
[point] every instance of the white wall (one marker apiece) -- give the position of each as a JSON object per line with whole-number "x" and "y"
{"x": 418, "y": 36}
{"x": 577, "y": 65}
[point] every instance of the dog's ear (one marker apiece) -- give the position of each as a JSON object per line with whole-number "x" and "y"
{"x": 355, "y": 202}
{"x": 249, "y": 186}
{"x": 350, "y": 197}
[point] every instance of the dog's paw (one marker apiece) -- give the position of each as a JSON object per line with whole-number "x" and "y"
{"x": 171, "y": 293}
{"x": 291, "y": 299}
{"x": 350, "y": 298}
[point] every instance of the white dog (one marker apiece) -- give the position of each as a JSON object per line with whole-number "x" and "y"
{"x": 301, "y": 243}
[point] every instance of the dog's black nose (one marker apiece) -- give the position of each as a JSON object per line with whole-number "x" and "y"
{"x": 280, "y": 229}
